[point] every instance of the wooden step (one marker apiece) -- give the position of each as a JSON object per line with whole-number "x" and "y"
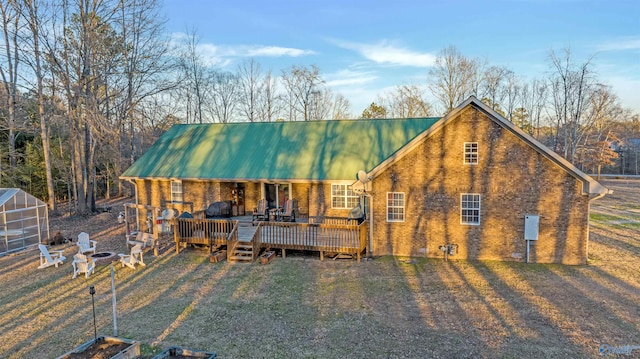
{"x": 239, "y": 251}
{"x": 240, "y": 258}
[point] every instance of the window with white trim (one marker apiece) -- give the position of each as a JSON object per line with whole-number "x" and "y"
{"x": 470, "y": 208}
{"x": 395, "y": 206}
{"x": 176, "y": 191}
{"x": 343, "y": 197}
{"x": 471, "y": 153}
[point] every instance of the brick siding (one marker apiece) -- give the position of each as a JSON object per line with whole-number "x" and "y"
{"x": 512, "y": 179}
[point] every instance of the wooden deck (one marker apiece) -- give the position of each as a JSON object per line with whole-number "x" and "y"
{"x": 245, "y": 242}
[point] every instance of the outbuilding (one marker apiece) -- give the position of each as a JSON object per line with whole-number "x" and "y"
{"x": 24, "y": 220}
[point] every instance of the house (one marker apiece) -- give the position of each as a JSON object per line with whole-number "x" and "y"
{"x": 462, "y": 183}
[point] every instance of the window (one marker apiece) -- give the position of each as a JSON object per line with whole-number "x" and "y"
{"x": 395, "y": 206}
{"x": 176, "y": 191}
{"x": 470, "y": 208}
{"x": 471, "y": 153}
{"x": 342, "y": 197}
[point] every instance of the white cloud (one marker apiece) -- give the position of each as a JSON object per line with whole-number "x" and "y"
{"x": 344, "y": 78}
{"x": 387, "y": 53}
{"x": 222, "y": 55}
{"x": 632, "y": 43}
{"x": 275, "y": 51}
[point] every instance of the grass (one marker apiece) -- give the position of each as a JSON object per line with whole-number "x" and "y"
{"x": 300, "y": 307}
{"x": 603, "y": 217}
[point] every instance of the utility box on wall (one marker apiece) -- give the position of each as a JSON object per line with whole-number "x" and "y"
{"x": 531, "y": 226}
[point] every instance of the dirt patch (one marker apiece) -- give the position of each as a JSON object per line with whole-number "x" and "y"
{"x": 100, "y": 350}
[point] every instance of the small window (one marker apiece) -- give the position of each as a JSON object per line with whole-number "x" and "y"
{"x": 343, "y": 197}
{"x": 471, "y": 153}
{"x": 470, "y": 208}
{"x": 395, "y": 206}
{"x": 176, "y": 191}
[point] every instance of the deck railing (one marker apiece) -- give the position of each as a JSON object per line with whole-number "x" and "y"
{"x": 337, "y": 238}
{"x": 332, "y": 220}
{"x": 211, "y": 232}
{"x": 333, "y": 235}
{"x": 232, "y": 240}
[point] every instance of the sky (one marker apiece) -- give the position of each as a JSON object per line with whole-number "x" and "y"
{"x": 363, "y": 48}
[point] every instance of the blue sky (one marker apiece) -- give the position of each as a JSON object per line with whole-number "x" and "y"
{"x": 365, "y": 47}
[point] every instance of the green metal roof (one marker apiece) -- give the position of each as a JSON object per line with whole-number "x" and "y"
{"x": 314, "y": 150}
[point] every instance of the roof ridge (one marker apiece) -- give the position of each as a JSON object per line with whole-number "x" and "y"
{"x": 312, "y": 121}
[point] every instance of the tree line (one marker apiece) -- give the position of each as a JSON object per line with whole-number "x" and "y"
{"x": 89, "y": 85}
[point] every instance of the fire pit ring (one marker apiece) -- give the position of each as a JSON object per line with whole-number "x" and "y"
{"x": 103, "y": 258}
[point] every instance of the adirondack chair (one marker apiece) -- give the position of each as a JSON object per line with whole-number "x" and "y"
{"x": 48, "y": 259}
{"x": 288, "y": 212}
{"x": 143, "y": 238}
{"x": 82, "y": 265}
{"x": 86, "y": 245}
{"x": 261, "y": 213}
{"x": 134, "y": 257}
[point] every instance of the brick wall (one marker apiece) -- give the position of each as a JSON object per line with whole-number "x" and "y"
{"x": 512, "y": 179}
{"x": 320, "y": 201}
{"x": 203, "y": 193}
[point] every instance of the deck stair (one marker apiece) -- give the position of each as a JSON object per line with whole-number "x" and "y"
{"x": 243, "y": 251}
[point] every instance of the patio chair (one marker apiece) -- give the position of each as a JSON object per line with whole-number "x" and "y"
{"x": 288, "y": 211}
{"x": 86, "y": 245}
{"x": 48, "y": 259}
{"x": 261, "y": 213}
{"x": 134, "y": 257}
{"x": 143, "y": 238}
{"x": 81, "y": 264}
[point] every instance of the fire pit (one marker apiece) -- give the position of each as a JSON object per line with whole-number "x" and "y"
{"x": 103, "y": 258}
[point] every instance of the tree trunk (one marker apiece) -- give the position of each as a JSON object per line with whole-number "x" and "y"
{"x": 44, "y": 130}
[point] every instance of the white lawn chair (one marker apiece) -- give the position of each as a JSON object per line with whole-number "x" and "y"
{"x": 48, "y": 259}
{"x": 135, "y": 257}
{"x": 82, "y": 265}
{"x": 143, "y": 238}
{"x": 86, "y": 245}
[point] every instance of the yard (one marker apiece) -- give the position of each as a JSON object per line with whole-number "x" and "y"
{"x": 301, "y": 307}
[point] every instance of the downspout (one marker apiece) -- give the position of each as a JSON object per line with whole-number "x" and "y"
{"x": 369, "y": 250}
{"x": 370, "y": 225}
{"x": 135, "y": 188}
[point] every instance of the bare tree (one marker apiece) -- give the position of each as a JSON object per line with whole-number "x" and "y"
{"x": 406, "y": 101}
{"x": 570, "y": 87}
{"x": 270, "y": 103}
{"x": 35, "y": 18}
{"x": 143, "y": 67}
{"x": 341, "y": 108}
{"x": 494, "y": 78}
{"x": 194, "y": 72}
{"x": 251, "y": 89}
{"x": 534, "y": 98}
{"x": 453, "y": 78}
{"x": 224, "y": 96}
{"x": 604, "y": 111}
{"x": 303, "y": 86}
{"x": 512, "y": 94}
{"x": 10, "y": 11}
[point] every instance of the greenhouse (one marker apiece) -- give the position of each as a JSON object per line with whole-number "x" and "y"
{"x": 24, "y": 220}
